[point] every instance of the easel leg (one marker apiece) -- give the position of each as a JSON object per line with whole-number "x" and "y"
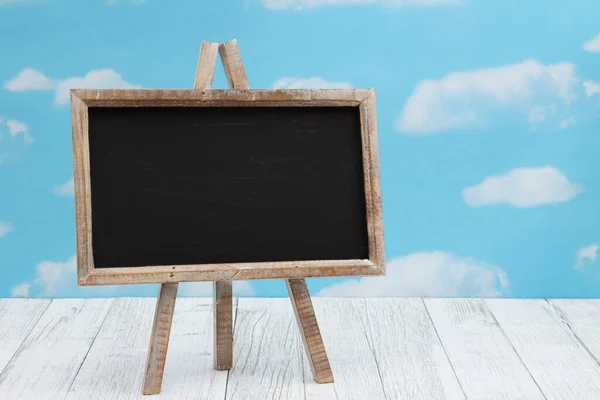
{"x": 222, "y": 293}
{"x": 223, "y": 324}
{"x": 309, "y": 330}
{"x": 159, "y": 341}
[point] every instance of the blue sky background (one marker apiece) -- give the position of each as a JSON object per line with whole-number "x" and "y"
{"x": 487, "y": 112}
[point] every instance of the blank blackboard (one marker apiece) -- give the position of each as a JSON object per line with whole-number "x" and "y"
{"x": 206, "y": 185}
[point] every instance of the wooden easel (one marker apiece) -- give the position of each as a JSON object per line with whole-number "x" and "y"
{"x": 222, "y": 295}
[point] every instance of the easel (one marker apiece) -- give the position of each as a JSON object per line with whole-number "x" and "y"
{"x": 222, "y": 295}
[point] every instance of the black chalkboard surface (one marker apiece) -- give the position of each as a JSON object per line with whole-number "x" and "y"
{"x": 206, "y": 185}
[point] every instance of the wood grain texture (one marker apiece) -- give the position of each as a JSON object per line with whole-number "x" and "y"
{"x": 372, "y": 181}
{"x": 484, "y": 360}
{"x": 309, "y": 330}
{"x": 206, "y": 65}
{"x": 582, "y": 316}
{"x": 82, "y": 191}
{"x": 222, "y": 290}
{"x": 17, "y": 319}
{"x": 411, "y": 360}
{"x": 114, "y": 366}
{"x": 238, "y": 271}
{"x": 356, "y": 370}
{"x": 220, "y": 97}
{"x": 159, "y": 339}
{"x": 267, "y": 362}
{"x": 88, "y": 275}
{"x": 238, "y": 95}
{"x": 223, "y": 324}
{"x": 47, "y": 362}
{"x": 189, "y": 372}
{"x": 559, "y": 363}
{"x": 388, "y": 340}
{"x": 232, "y": 63}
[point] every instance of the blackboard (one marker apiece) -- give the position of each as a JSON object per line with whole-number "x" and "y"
{"x": 190, "y": 185}
{"x": 185, "y": 185}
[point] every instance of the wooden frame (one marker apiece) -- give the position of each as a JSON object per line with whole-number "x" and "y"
{"x": 81, "y": 99}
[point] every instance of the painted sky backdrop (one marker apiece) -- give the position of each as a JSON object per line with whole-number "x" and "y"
{"x": 488, "y": 128}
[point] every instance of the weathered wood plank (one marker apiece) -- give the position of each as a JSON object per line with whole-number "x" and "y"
{"x": 47, "y": 362}
{"x": 267, "y": 363}
{"x": 222, "y": 290}
{"x": 81, "y": 186}
{"x": 583, "y": 318}
{"x": 223, "y": 324}
{"x": 357, "y": 374}
{"x": 238, "y": 271}
{"x": 220, "y": 97}
{"x": 309, "y": 331}
{"x": 369, "y": 139}
{"x": 159, "y": 339}
{"x": 483, "y": 358}
{"x": 114, "y": 367}
{"x": 189, "y": 372}
{"x": 558, "y": 362}
{"x": 17, "y": 319}
{"x": 411, "y": 359}
{"x": 205, "y": 70}
{"x": 232, "y": 63}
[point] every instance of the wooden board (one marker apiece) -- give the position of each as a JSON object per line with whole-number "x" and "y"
{"x": 267, "y": 351}
{"x": 485, "y": 362}
{"x": 223, "y": 290}
{"x": 223, "y": 185}
{"x": 47, "y": 362}
{"x": 410, "y": 358}
{"x": 223, "y": 317}
{"x": 159, "y": 338}
{"x": 114, "y": 366}
{"x": 394, "y": 350}
{"x": 559, "y": 363}
{"x": 582, "y": 317}
{"x": 308, "y": 327}
{"x": 354, "y": 366}
{"x": 189, "y": 372}
{"x": 17, "y": 319}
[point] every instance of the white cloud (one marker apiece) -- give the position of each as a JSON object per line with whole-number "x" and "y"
{"x": 51, "y": 274}
{"x": 19, "y": 128}
{"x": 59, "y": 279}
{"x": 466, "y": 98}
{"x": 20, "y": 290}
{"x": 5, "y": 228}
{"x": 591, "y": 88}
{"x": 15, "y": 128}
{"x": 314, "y": 82}
{"x": 586, "y": 253}
{"x": 30, "y": 79}
{"x": 307, "y": 4}
{"x": 592, "y": 45}
{"x": 11, "y": 128}
{"x": 523, "y": 187}
{"x": 427, "y": 274}
{"x": 99, "y": 79}
{"x": 205, "y": 289}
{"x": 64, "y": 189}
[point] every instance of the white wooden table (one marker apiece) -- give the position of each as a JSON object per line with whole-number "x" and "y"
{"x": 378, "y": 348}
